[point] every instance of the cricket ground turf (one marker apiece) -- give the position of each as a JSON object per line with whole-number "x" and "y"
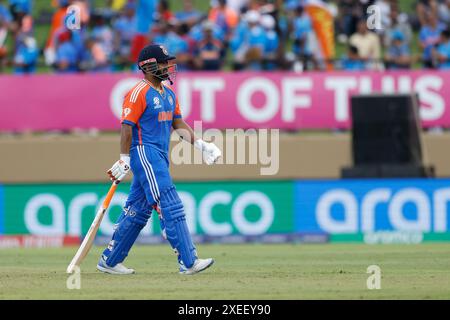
{"x": 251, "y": 271}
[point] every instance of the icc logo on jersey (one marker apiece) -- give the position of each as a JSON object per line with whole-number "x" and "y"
{"x": 170, "y": 100}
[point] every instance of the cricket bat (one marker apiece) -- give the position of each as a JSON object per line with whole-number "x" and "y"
{"x": 90, "y": 236}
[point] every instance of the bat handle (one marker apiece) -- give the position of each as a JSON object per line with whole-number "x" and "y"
{"x": 88, "y": 240}
{"x": 110, "y": 194}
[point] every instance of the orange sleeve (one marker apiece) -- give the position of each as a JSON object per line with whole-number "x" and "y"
{"x": 232, "y": 18}
{"x": 212, "y": 15}
{"x": 56, "y": 23}
{"x": 133, "y": 106}
{"x": 177, "y": 113}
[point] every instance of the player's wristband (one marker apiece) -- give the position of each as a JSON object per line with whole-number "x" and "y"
{"x": 125, "y": 158}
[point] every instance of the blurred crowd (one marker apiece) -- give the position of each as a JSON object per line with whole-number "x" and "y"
{"x": 400, "y": 41}
{"x": 233, "y": 34}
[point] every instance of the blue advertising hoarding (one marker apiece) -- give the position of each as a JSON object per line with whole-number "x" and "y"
{"x": 369, "y": 205}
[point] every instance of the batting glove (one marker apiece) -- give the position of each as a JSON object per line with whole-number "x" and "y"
{"x": 120, "y": 169}
{"x": 209, "y": 150}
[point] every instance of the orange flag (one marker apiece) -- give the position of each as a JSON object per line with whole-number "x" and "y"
{"x": 323, "y": 25}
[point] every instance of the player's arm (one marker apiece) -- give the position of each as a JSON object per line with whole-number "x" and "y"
{"x": 184, "y": 130}
{"x": 132, "y": 110}
{"x": 126, "y": 133}
{"x": 210, "y": 151}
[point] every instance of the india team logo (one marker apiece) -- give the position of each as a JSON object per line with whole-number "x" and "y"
{"x": 170, "y": 100}
{"x": 164, "y": 50}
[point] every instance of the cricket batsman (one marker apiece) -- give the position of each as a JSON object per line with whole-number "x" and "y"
{"x": 150, "y": 111}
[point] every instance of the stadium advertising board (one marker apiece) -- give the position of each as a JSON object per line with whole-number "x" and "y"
{"x": 370, "y": 211}
{"x": 369, "y": 206}
{"x": 215, "y": 209}
{"x": 219, "y": 100}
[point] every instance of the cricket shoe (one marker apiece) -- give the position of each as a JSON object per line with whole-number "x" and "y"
{"x": 117, "y": 269}
{"x": 198, "y": 266}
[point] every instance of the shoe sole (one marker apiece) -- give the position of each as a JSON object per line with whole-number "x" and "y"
{"x": 109, "y": 271}
{"x": 190, "y": 274}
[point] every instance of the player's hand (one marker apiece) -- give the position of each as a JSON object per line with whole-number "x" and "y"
{"x": 120, "y": 169}
{"x": 209, "y": 150}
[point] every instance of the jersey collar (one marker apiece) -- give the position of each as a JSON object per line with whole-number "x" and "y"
{"x": 162, "y": 92}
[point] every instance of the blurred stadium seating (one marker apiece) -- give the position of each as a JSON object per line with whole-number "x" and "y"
{"x": 285, "y": 35}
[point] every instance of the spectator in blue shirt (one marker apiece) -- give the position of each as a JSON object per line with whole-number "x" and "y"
{"x": 173, "y": 43}
{"x": 145, "y": 11}
{"x": 78, "y": 39}
{"x": 145, "y": 15}
{"x": 442, "y": 52}
{"x": 292, "y": 4}
{"x": 19, "y": 10}
{"x": 25, "y": 6}
{"x": 399, "y": 21}
{"x": 398, "y": 55}
{"x": 352, "y": 61}
{"x": 255, "y": 41}
{"x": 95, "y": 58}
{"x": 103, "y": 34}
{"x": 188, "y": 15}
{"x": 271, "y": 43}
{"x": 302, "y": 29}
{"x": 22, "y": 18}
{"x": 5, "y": 21}
{"x": 26, "y": 56}
{"x": 182, "y": 30}
{"x": 210, "y": 51}
{"x": 124, "y": 30}
{"x": 66, "y": 54}
{"x": 248, "y": 42}
{"x": 256, "y": 36}
{"x": 5, "y": 15}
{"x": 169, "y": 39}
{"x": 197, "y": 32}
{"x": 237, "y": 40}
{"x": 429, "y": 36}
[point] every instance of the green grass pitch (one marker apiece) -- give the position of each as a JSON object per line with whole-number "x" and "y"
{"x": 251, "y": 271}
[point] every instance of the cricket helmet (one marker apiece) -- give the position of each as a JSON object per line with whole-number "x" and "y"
{"x": 148, "y": 60}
